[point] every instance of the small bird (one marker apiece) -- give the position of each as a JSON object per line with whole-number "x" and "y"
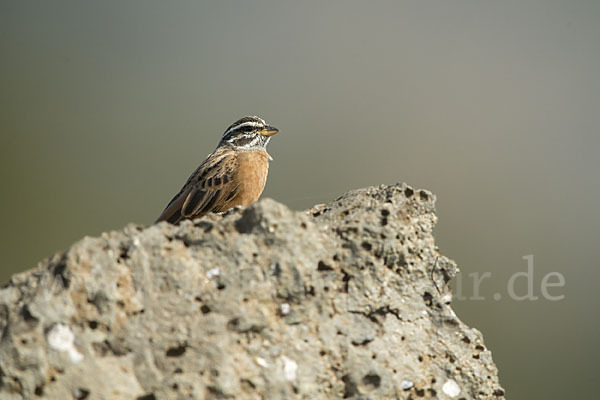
{"x": 233, "y": 175}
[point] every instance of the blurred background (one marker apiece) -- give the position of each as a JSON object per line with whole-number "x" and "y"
{"x": 107, "y": 107}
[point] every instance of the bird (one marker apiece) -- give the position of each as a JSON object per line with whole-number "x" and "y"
{"x": 234, "y": 174}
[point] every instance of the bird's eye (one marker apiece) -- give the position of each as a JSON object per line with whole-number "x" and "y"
{"x": 247, "y": 128}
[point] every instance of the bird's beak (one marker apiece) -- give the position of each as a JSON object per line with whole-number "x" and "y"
{"x": 269, "y": 131}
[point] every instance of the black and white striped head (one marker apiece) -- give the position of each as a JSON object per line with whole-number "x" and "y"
{"x": 248, "y": 133}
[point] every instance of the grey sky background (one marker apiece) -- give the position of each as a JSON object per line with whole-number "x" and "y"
{"x": 106, "y": 107}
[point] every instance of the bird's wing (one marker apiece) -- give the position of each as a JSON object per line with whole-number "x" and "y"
{"x": 212, "y": 184}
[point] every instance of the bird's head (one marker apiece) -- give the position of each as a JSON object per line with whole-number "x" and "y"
{"x": 248, "y": 133}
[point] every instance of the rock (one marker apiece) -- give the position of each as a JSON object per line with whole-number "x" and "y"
{"x": 348, "y": 299}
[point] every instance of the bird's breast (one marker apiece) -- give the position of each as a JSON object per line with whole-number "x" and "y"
{"x": 253, "y": 167}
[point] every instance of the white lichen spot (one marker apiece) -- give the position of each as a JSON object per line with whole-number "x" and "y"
{"x": 61, "y": 338}
{"x": 405, "y": 385}
{"x": 289, "y": 368}
{"x": 284, "y": 309}
{"x": 75, "y": 356}
{"x": 447, "y": 299}
{"x": 451, "y": 388}
{"x": 262, "y": 362}
{"x": 213, "y": 272}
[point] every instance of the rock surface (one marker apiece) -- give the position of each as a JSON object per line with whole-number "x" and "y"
{"x": 345, "y": 300}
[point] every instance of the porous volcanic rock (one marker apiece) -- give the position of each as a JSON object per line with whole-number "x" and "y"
{"x": 345, "y": 300}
